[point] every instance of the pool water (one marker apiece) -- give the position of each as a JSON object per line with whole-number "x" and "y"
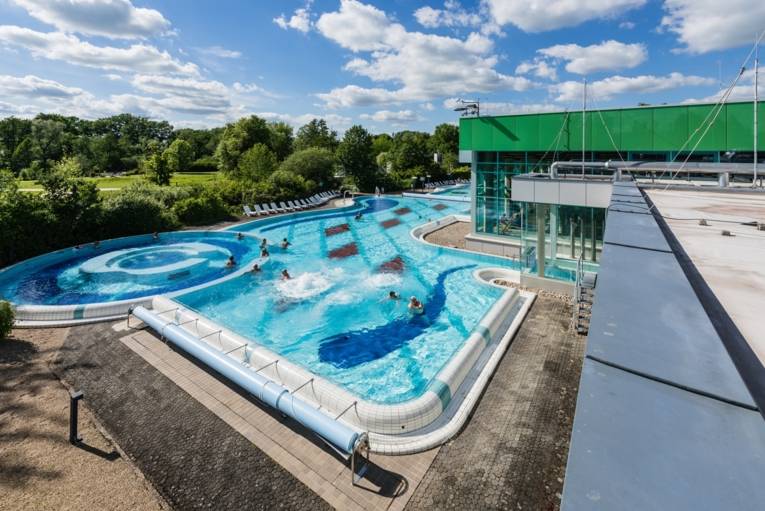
{"x": 125, "y": 268}
{"x": 334, "y": 317}
{"x": 462, "y": 190}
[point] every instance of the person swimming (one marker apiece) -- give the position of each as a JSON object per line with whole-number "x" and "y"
{"x": 264, "y": 243}
{"x": 264, "y": 252}
{"x": 393, "y": 296}
{"x": 155, "y": 235}
{"x": 285, "y": 243}
{"x": 358, "y": 216}
{"x": 286, "y": 275}
{"x": 239, "y": 236}
{"x": 416, "y": 306}
{"x": 256, "y": 268}
{"x": 231, "y": 262}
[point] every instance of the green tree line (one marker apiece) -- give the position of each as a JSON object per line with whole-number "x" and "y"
{"x": 257, "y": 160}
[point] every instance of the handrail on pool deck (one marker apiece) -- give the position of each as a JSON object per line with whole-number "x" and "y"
{"x": 344, "y": 438}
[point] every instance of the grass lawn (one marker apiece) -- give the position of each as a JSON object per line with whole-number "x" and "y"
{"x": 180, "y": 179}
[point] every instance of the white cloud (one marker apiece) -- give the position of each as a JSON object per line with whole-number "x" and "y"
{"x": 539, "y": 16}
{"x": 707, "y": 25}
{"x": 423, "y": 66}
{"x": 452, "y": 15}
{"x": 626, "y": 25}
{"x": 108, "y": 18}
{"x": 300, "y": 19}
{"x": 396, "y": 118}
{"x": 220, "y": 52}
{"x": 743, "y": 91}
{"x": 335, "y": 121}
{"x": 606, "y": 56}
{"x": 539, "y": 68}
{"x": 30, "y": 86}
{"x": 113, "y": 77}
{"x": 614, "y": 85}
{"x": 137, "y": 58}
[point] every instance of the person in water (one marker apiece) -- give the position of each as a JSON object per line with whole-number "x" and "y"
{"x": 416, "y": 306}
{"x": 264, "y": 252}
{"x": 358, "y": 216}
{"x": 256, "y": 268}
{"x": 286, "y": 275}
{"x": 96, "y": 244}
{"x": 155, "y": 235}
{"x": 239, "y": 236}
{"x": 393, "y": 296}
{"x": 285, "y": 243}
{"x": 264, "y": 243}
{"x": 231, "y": 262}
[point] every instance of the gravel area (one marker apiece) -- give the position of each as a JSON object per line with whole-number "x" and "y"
{"x": 192, "y": 457}
{"x": 512, "y": 453}
{"x": 39, "y": 469}
{"x": 452, "y": 235}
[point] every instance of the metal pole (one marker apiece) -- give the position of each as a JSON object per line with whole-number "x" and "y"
{"x": 584, "y": 120}
{"x": 74, "y": 400}
{"x": 756, "y": 98}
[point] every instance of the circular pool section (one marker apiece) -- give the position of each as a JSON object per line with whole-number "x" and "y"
{"x": 126, "y": 268}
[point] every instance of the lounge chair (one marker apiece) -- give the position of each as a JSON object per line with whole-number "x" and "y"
{"x": 294, "y": 204}
{"x": 286, "y": 207}
{"x": 248, "y": 211}
{"x": 304, "y": 203}
{"x": 275, "y": 208}
{"x": 260, "y": 211}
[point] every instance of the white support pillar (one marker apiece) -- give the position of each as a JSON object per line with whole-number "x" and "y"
{"x": 541, "y": 214}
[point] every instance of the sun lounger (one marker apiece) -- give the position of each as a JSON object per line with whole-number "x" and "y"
{"x": 294, "y": 206}
{"x": 248, "y": 211}
{"x": 260, "y": 211}
{"x": 285, "y": 207}
{"x": 275, "y": 208}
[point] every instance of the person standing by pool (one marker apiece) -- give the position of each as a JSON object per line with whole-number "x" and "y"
{"x": 416, "y": 306}
{"x": 285, "y": 243}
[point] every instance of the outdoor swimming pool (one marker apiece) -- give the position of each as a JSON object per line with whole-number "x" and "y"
{"x": 334, "y": 318}
{"x": 125, "y": 268}
{"x": 461, "y": 190}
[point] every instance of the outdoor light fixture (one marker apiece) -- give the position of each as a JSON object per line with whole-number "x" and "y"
{"x": 74, "y": 400}
{"x": 469, "y": 108}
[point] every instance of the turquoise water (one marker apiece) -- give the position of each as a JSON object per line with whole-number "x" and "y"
{"x": 461, "y": 190}
{"x": 125, "y": 268}
{"x": 334, "y": 318}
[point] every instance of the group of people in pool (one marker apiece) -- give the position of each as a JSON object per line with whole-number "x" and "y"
{"x": 415, "y": 306}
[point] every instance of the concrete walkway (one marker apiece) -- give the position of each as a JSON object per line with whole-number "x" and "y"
{"x": 512, "y": 454}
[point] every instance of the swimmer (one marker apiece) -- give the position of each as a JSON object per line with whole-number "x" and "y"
{"x": 264, "y": 243}
{"x": 286, "y": 275}
{"x": 256, "y": 268}
{"x": 358, "y": 216}
{"x": 416, "y": 306}
{"x": 155, "y": 236}
{"x": 285, "y": 243}
{"x": 393, "y": 296}
{"x": 77, "y": 247}
{"x": 264, "y": 252}
{"x": 96, "y": 244}
{"x": 239, "y": 236}
{"x": 231, "y": 262}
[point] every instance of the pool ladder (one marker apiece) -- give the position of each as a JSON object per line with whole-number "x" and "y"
{"x": 584, "y": 295}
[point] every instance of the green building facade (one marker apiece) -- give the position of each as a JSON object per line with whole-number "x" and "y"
{"x": 503, "y": 146}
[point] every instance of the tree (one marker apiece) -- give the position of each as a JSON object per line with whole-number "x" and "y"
{"x": 410, "y": 153}
{"x": 69, "y": 166}
{"x": 445, "y": 141}
{"x": 314, "y": 164}
{"x": 237, "y": 138}
{"x": 22, "y": 156}
{"x": 356, "y": 159}
{"x": 316, "y": 134}
{"x": 74, "y": 202}
{"x": 381, "y": 143}
{"x": 281, "y": 139}
{"x": 48, "y": 138}
{"x": 12, "y": 132}
{"x": 106, "y": 153}
{"x": 179, "y": 156}
{"x": 156, "y": 169}
{"x": 256, "y": 164}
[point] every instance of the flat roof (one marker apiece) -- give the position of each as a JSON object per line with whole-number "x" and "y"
{"x": 732, "y": 266}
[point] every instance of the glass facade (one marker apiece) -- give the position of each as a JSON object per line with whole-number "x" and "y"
{"x": 563, "y": 232}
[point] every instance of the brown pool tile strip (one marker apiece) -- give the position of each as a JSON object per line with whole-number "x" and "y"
{"x": 402, "y": 211}
{"x": 337, "y": 229}
{"x": 388, "y": 485}
{"x": 344, "y": 251}
{"x": 439, "y": 207}
{"x": 387, "y": 224}
{"x": 395, "y": 265}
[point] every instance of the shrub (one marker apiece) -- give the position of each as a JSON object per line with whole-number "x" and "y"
{"x": 205, "y": 209}
{"x": 126, "y": 214}
{"x": 204, "y": 164}
{"x": 6, "y": 319}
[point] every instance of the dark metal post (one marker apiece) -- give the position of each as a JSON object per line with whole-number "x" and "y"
{"x": 74, "y": 399}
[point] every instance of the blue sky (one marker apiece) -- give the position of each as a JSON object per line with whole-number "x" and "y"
{"x": 389, "y": 65}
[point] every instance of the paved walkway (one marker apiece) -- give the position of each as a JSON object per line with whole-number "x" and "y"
{"x": 512, "y": 454}
{"x": 193, "y": 458}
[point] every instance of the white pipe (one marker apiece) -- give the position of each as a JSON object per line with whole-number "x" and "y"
{"x": 756, "y": 95}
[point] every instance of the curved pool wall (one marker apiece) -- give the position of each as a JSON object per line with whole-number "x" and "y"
{"x": 38, "y": 315}
{"x": 394, "y": 428}
{"x": 443, "y": 197}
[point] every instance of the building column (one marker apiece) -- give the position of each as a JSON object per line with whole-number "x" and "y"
{"x": 541, "y": 214}
{"x": 473, "y": 189}
{"x": 593, "y": 230}
{"x": 572, "y": 230}
{"x": 554, "y": 232}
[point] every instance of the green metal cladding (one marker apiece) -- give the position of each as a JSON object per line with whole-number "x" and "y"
{"x": 659, "y": 128}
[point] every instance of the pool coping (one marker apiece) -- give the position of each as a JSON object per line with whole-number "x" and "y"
{"x": 39, "y": 316}
{"x": 431, "y": 196}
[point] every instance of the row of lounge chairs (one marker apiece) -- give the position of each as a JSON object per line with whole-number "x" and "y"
{"x": 291, "y": 205}
{"x": 451, "y": 182}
